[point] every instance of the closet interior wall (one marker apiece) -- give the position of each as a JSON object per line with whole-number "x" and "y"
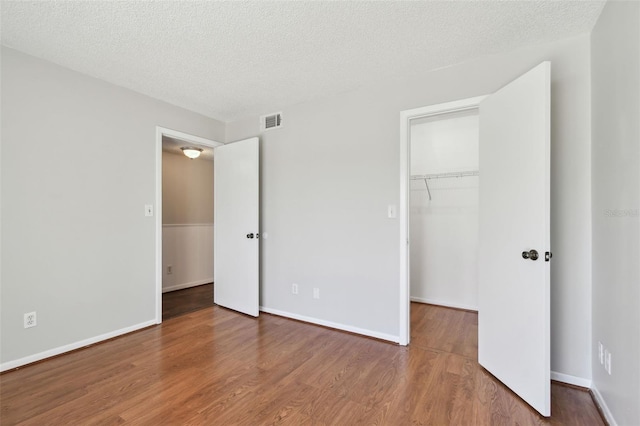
{"x": 444, "y": 209}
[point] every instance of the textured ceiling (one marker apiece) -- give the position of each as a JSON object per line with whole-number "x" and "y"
{"x": 229, "y": 59}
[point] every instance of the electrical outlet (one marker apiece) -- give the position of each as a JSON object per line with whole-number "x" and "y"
{"x": 294, "y": 288}
{"x": 601, "y": 352}
{"x": 169, "y": 269}
{"x": 30, "y": 320}
{"x": 607, "y": 361}
{"x": 316, "y": 293}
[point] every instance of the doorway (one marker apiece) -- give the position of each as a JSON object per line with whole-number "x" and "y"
{"x": 513, "y": 239}
{"x": 180, "y": 232}
{"x": 407, "y": 119}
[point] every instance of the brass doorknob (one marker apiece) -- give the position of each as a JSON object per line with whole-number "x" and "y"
{"x": 531, "y": 254}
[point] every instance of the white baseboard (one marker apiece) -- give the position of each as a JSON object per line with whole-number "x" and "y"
{"x": 571, "y": 380}
{"x": 603, "y": 407}
{"x": 72, "y": 346}
{"x": 187, "y": 285}
{"x": 337, "y": 326}
{"x": 443, "y": 303}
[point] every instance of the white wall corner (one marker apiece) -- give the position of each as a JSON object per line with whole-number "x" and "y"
{"x": 571, "y": 380}
{"x": 602, "y": 405}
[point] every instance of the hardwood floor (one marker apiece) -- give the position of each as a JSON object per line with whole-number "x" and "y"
{"x": 214, "y": 366}
{"x": 180, "y": 302}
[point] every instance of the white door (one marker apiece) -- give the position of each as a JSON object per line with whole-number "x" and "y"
{"x": 236, "y": 221}
{"x": 513, "y": 293}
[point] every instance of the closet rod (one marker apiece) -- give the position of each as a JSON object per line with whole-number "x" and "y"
{"x": 445, "y": 175}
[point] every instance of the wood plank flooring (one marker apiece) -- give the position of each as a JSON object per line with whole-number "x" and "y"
{"x": 180, "y": 302}
{"x": 216, "y": 367}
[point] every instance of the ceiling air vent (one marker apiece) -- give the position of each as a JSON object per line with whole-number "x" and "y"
{"x": 271, "y": 121}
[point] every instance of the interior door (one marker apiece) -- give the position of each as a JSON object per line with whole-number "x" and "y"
{"x": 236, "y": 226}
{"x": 513, "y": 293}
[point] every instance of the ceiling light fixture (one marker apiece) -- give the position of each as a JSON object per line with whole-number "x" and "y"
{"x": 191, "y": 152}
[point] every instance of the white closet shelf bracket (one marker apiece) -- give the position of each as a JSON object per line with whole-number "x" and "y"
{"x": 426, "y": 182}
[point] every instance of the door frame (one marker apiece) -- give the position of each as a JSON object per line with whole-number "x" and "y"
{"x": 188, "y": 138}
{"x": 406, "y": 117}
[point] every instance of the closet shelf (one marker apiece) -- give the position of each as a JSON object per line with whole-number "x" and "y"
{"x": 446, "y": 175}
{"x": 442, "y": 176}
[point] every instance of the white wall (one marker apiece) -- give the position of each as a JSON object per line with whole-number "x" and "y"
{"x": 615, "y": 61}
{"x": 443, "y": 229}
{"x": 187, "y": 189}
{"x": 188, "y": 248}
{"x": 78, "y": 166}
{"x": 328, "y": 175}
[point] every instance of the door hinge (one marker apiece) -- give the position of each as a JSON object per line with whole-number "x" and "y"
{"x": 547, "y": 256}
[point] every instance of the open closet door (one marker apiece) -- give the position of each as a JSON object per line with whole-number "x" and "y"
{"x": 513, "y": 271}
{"x": 236, "y": 221}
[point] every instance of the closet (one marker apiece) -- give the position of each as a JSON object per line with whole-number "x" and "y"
{"x": 443, "y": 220}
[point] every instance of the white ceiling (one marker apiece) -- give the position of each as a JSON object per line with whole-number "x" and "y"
{"x": 230, "y": 59}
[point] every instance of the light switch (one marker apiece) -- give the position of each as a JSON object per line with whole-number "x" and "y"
{"x": 148, "y": 209}
{"x": 391, "y": 211}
